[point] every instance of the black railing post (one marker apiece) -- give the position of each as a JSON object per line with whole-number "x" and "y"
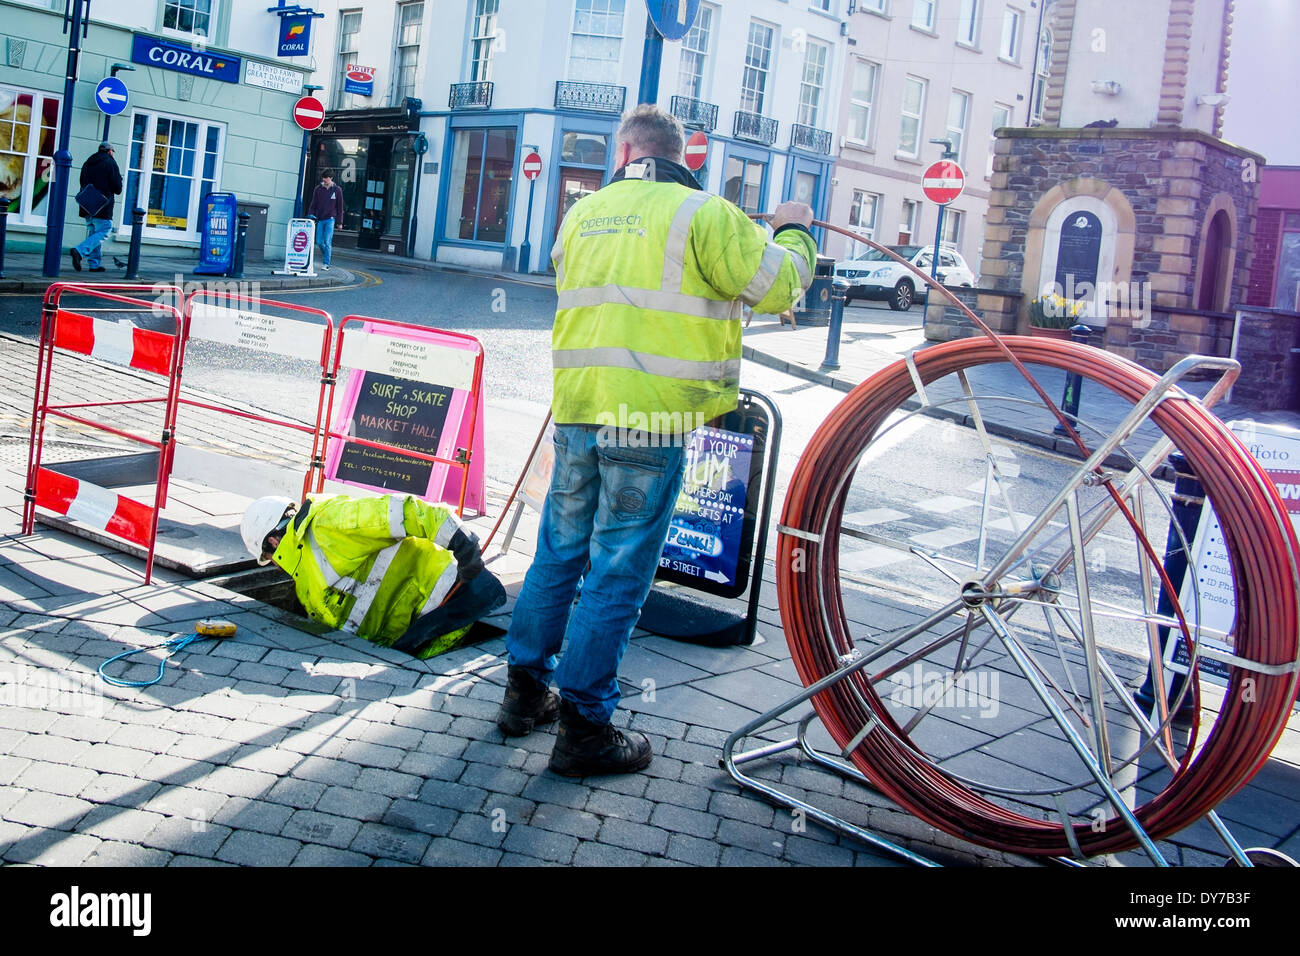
{"x": 4, "y": 219}
{"x": 832, "y": 360}
{"x": 241, "y": 238}
{"x": 1073, "y": 381}
{"x": 133, "y": 257}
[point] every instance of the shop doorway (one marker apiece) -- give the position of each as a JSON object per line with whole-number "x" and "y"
{"x": 574, "y": 184}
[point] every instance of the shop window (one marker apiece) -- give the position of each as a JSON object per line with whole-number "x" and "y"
{"x": 174, "y": 163}
{"x": 29, "y": 123}
{"x": 587, "y": 149}
{"x": 482, "y": 173}
{"x": 743, "y": 183}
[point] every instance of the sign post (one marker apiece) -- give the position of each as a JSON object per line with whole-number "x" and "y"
{"x": 75, "y": 23}
{"x": 942, "y": 182}
{"x": 532, "y": 169}
{"x": 309, "y": 114}
{"x": 665, "y": 20}
{"x": 110, "y": 97}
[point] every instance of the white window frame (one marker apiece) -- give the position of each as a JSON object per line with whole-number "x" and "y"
{"x": 482, "y": 39}
{"x": 957, "y": 134}
{"x": 953, "y": 220}
{"x": 856, "y": 204}
{"x": 697, "y": 49}
{"x": 757, "y": 96}
{"x": 919, "y": 116}
{"x": 909, "y": 224}
{"x": 993, "y": 140}
{"x": 214, "y": 8}
{"x": 1013, "y": 23}
{"x": 874, "y": 6}
{"x": 583, "y": 69}
{"x": 925, "y": 23}
{"x": 342, "y": 100}
{"x": 864, "y": 107}
{"x": 401, "y": 89}
{"x": 968, "y": 24}
{"x": 25, "y": 216}
{"x": 1039, "y": 98}
{"x": 812, "y": 88}
{"x": 147, "y": 172}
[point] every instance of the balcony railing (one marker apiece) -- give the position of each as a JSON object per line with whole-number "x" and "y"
{"x": 810, "y": 138}
{"x": 755, "y": 127}
{"x": 596, "y": 97}
{"x": 696, "y": 114}
{"x": 470, "y": 96}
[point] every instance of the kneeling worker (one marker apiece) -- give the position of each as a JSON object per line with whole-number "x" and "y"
{"x": 380, "y": 566}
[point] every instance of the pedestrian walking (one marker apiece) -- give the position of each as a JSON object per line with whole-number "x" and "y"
{"x": 327, "y": 209}
{"x": 101, "y": 180}
{"x": 381, "y": 566}
{"x": 651, "y": 274}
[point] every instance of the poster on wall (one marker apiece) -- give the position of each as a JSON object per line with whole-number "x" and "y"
{"x": 398, "y": 412}
{"x": 359, "y": 80}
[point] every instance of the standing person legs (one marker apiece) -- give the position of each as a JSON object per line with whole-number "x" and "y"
{"x": 97, "y": 231}
{"x": 325, "y": 236}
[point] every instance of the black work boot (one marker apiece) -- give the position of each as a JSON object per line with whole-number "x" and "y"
{"x": 527, "y": 703}
{"x": 583, "y": 748}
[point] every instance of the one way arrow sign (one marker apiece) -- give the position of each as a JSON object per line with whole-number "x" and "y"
{"x": 110, "y": 95}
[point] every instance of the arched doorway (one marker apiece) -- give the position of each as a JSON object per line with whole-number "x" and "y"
{"x": 1212, "y": 295}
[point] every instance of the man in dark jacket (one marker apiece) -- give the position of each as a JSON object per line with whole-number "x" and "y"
{"x": 327, "y": 209}
{"x": 101, "y": 172}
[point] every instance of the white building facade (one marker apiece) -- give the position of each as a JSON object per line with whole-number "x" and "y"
{"x": 497, "y": 79}
{"x": 922, "y": 70}
{"x": 209, "y": 109}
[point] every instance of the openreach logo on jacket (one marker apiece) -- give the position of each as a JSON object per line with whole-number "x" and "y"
{"x": 76, "y": 909}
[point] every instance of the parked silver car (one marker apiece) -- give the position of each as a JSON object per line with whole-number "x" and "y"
{"x": 874, "y": 276}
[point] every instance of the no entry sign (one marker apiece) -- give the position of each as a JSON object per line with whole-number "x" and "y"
{"x": 697, "y": 149}
{"x": 943, "y": 182}
{"x": 532, "y": 166}
{"x": 308, "y": 112}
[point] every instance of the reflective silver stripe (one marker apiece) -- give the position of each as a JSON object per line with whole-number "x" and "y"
{"x": 679, "y": 233}
{"x": 446, "y": 530}
{"x": 366, "y": 590}
{"x": 440, "y": 589}
{"x": 652, "y": 299}
{"x": 396, "y": 517}
{"x": 647, "y": 362}
{"x": 557, "y": 257}
{"x": 332, "y": 577}
{"x": 769, "y": 269}
{"x": 801, "y": 267}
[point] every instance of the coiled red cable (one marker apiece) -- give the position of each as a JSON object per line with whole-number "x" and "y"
{"x": 1260, "y": 549}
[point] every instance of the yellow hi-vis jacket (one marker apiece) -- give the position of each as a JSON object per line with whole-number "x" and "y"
{"x": 650, "y": 276}
{"x": 370, "y": 565}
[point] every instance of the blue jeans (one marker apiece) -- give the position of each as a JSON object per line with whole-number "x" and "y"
{"x": 97, "y": 231}
{"x": 325, "y": 236}
{"x": 609, "y": 505}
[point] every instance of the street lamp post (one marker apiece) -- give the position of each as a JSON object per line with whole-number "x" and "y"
{"x": 113, "y": 72}
{"x": 76, "y": 18}
{"x": 308, "y": 89}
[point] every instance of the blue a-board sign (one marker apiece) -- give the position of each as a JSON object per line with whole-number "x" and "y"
{"x": 183, "y": 59}
{"x": 295, "y": 35}
{"x": 217, "y": 222}
{"x": 673, "y": 18}
{"x": 710, "y": 537}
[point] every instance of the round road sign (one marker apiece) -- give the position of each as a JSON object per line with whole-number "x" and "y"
{"x": 943, "y": 182}
{"x": 308, "y": 112}
{"x": 697, "y": 150}
{"x": 673, "y": 18}
{"x": 532, "y": 166}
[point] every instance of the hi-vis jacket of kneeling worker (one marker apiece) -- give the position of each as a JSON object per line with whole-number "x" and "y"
{"x": 378, "y": 565}
{"x": 651, "y": 273}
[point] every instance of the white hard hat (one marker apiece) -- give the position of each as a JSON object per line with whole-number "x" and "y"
{"x": 260, "y": 520}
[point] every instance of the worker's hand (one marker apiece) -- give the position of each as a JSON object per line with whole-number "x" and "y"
{"x": 469, "y": 559}
{"x": 792, "y": 212}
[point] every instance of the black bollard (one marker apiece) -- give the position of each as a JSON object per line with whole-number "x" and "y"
{"x": 1073, "y": 381}
{"x": 1189, "y": 499}
{"x": 133, "y": 257}
{"x": 4, "y": 218}
{"x": 241, "y": 238}
{"x": 832, "y": 360}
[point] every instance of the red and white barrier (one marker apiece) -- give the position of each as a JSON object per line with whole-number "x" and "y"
{"x": 94, "y": 506}
{"x": 118, "y": 342}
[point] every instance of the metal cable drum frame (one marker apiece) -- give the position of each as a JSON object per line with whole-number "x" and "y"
{"x": 1261, "y": 549}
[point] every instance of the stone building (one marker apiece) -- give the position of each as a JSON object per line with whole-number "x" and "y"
{"x": 1125, "y": 198}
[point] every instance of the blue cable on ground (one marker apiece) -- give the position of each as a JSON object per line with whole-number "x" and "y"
{"x": 174, "y": 645}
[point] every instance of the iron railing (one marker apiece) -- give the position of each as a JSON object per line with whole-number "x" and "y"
{"x": 755, "y": 127}
{"x": 810, "y": 138}
{"x": 695, "y": 114}
{"x": 470, "y": 96}
{"x": 596, "y": 97}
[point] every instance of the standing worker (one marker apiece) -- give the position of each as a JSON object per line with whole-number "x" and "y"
{"x": 381, "y": 566}
{"x": 327, "y": 209}
{"x": 103, "y": 177}
{"x": 651, "y": 273}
